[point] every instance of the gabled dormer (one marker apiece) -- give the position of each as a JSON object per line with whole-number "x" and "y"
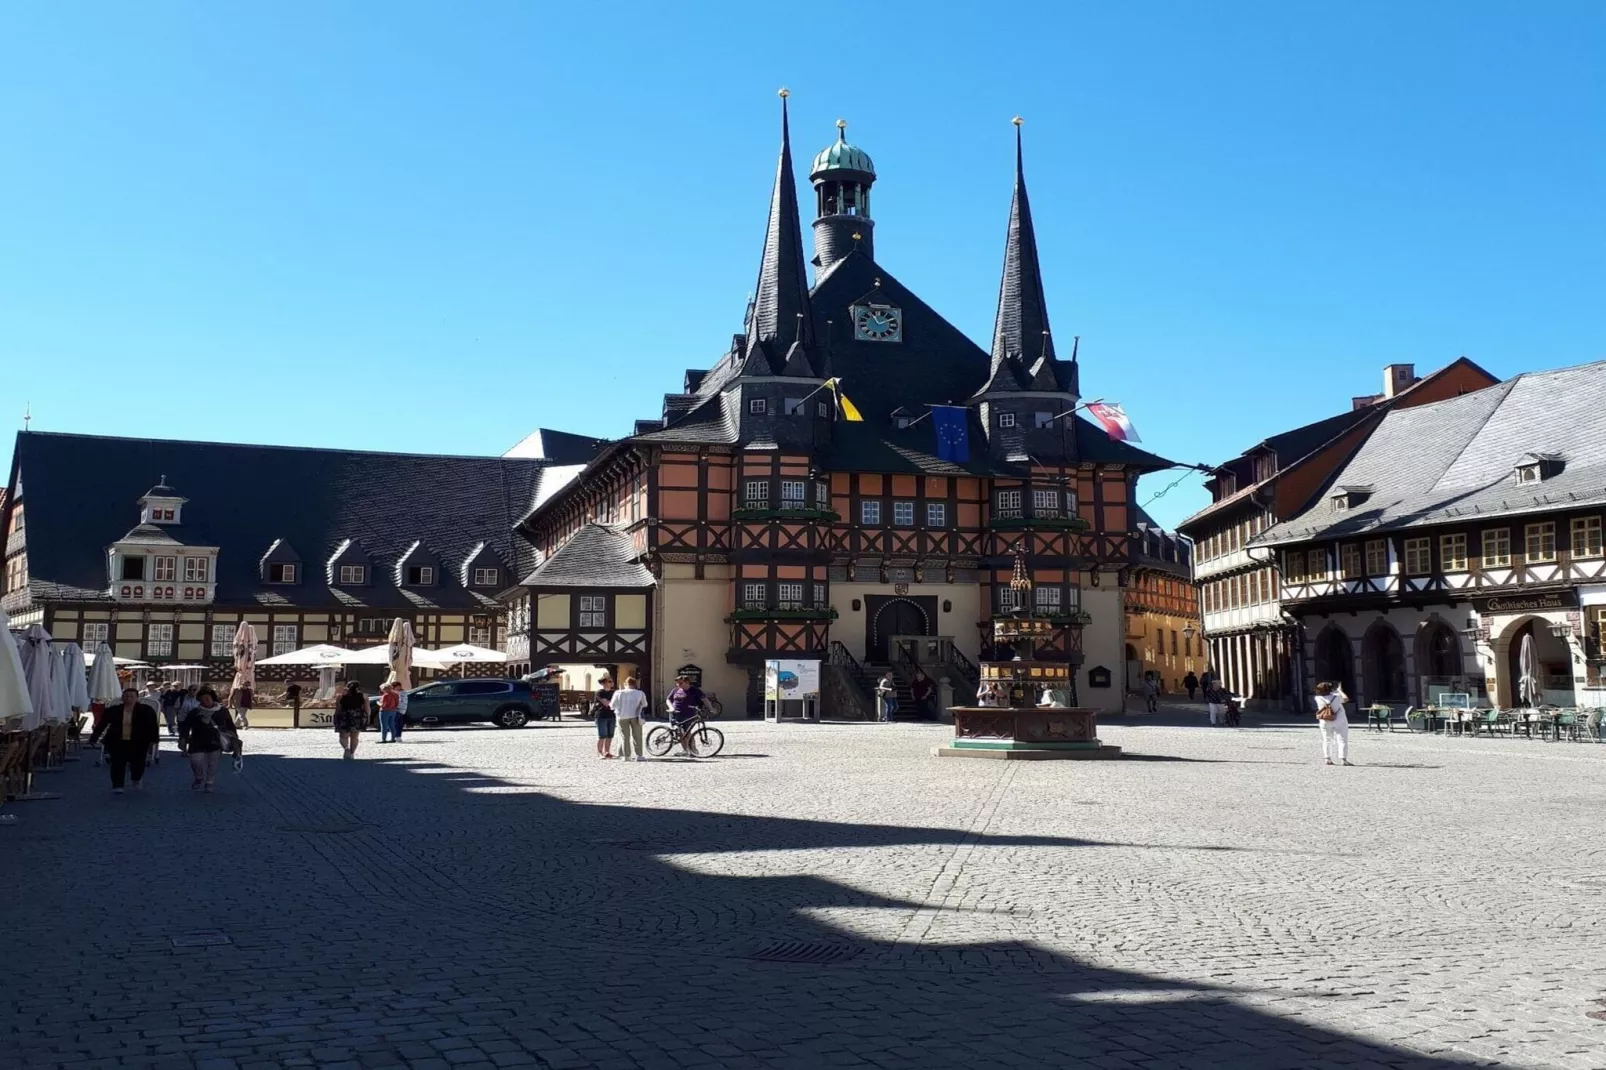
{"x": 1538, "y": 467}
{"x": 1349, "y": 496}
{"x": 349, "y": 566}
{"x": 484, "y": 571}
{"x": 281, "y": 565}
{"x": 161, "y": 505}
{"x": 418, "y": 567}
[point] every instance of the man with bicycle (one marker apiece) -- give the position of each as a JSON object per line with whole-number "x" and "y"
{"x": 685, "y": 702}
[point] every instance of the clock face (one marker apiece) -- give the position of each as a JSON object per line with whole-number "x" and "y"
{"x": 877, "y": 323}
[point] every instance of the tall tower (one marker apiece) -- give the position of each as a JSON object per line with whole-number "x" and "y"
{"x": 842, "y": 175}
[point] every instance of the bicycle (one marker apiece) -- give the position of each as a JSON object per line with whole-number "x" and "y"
{"x": 695, "y": 737}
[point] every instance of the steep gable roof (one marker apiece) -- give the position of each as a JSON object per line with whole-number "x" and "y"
{"x": 594, "y": 556}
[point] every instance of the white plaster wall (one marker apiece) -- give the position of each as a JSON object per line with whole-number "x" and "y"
{"x": 689, "y": 626}
{"x": 1104, "y": 645}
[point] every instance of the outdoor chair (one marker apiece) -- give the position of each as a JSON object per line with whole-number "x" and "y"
{"x": 1597, "y": 725}
{"x": 1411, "y": 711}
{"x": 75, "y": 731}
{"x": 1488, "y": 720}
{"x": 1380, "y": 715}
{"x": 1566, "y": 721}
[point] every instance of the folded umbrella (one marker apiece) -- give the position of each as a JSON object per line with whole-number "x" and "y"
{"x": 14, "y": 698}
{"x": 37, "y": 659}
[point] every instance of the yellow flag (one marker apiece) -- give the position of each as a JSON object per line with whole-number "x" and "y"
{"x": 850, "y": 412}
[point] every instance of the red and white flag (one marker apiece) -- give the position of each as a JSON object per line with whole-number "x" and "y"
{"x": 1114, "y": 420}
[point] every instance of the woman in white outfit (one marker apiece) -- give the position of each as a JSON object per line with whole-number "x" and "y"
{"x": 1330, "y": 718}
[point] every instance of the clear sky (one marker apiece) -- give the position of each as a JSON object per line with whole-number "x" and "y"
{"x": 435, "y": 226}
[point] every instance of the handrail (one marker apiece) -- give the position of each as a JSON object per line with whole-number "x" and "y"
{"x": 837, "y": 654}
{"x": 967, "y": 667}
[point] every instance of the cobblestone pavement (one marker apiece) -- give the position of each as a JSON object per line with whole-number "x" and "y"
{"x": 480, "y": 898}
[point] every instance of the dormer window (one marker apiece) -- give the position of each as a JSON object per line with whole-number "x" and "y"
{"x": 1349, "y": 497}
{"x": 281, "y": 573}
{"x": 482, "y": 568}
{"x": 353, "y": 575}
{"x": 421, "y": 576}
{"x": 1537, "y": 467}
{"x": 487, "y": 577}
{"x": 1006, "y": 419}
{"x": 757, "y": 406}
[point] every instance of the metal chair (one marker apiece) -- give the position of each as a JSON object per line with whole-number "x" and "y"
{"x": 1379, "y": 715}
{"x": 1489, "y": 720}
{"x": 1566, "y": 720}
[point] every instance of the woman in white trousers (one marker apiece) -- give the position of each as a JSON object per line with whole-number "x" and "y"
{"x": 1330, "y": 718}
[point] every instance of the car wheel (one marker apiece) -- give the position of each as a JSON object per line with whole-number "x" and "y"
{"x": 511, "y": 717}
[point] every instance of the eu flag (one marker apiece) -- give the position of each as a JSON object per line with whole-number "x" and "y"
{"x": 953, "y": 432}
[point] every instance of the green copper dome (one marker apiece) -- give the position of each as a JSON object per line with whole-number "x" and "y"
{"x": 840, "y": 156}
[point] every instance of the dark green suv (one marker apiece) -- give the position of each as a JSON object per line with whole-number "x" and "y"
{"x": 504, "y": 703}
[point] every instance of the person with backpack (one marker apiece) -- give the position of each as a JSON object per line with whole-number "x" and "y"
{"x": 1330, "y": 718}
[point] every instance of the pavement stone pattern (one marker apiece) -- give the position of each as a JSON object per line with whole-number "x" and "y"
{"x": 477, "y": 898}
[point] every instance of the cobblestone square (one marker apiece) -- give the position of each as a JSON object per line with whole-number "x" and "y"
{"x": 820, "y": 896}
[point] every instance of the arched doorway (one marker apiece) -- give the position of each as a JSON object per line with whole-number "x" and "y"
{"x": 1335, "y": 662}
{"x": 1438, "y": 660}
{"x": 1383, "y": 664}
{"x": 1552, "y": 663}
{"x": 895, "y": 616}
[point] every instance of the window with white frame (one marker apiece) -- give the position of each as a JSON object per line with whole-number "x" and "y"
{"x": 159, "y": 641}
{"x": 789, "y": 596}
{"x": 487, "y": 577}
{"x": 1294, "y": 566}
{"x": 936, "y": 515}
{"x": 223, "y": 640}
{"x": 1006, "y": 419}
{"x": 1539, "y": 541}
{"x": 353, "y": 574}
{"x": 869, "y": 513}
{"x": 197, "y": 570}
{"x": 1418, "y": 556}
{"x": 820, "y": 593}
{"x": 903, "y": 514}
{"x": 1497, "y": 548}
{"x": 281, "y": 574}
{"x": 373, "y": 626}
{"x": 166, "y": 568}
{"x": 286, "y": 637}
{"x": 1586, "y": 540}
{"x": 794, "y": 493}
{"x": 420, "y": 575}
{"x": 756, "y": 493}
{"x": 754, "y": 596}
{"x": 1046, "y": 600}
{"x": 1008, "y": 503}
{"x": 1349, "y": 556}
{"x": 822, "y": 495}
{"x": 1046, "y": 502}
{"x": 1453, "y": 552}
{"x": 1316, "y": 564}
{"x": 1008, "y": 598}
{"x": 95, "y": 631}
{"x": 593, "y": 611}
{"x": 480, "y": 636}
{"x": 822, "y": 410}
{"x": 1377, "y": 557}
{"x": 757, "y": 405}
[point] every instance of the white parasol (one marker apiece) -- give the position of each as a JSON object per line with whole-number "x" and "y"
{"x": 1527, "y": 666}
{"x": 317, "y": 654}
{"x": 401, "y": 654}
{"x": 14, "y": 698}
{"x": 245, "y": 657}
{"x": 72, "y": 660}
{"x": 380, "y": 655}
{"x": 467, "y": 653}
{"x": 36, "y": 662}
{"x": 104, "y": 687}
{"x": 60, "y": 689}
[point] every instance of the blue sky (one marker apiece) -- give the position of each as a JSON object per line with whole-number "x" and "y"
{"x": 432, "y": 227}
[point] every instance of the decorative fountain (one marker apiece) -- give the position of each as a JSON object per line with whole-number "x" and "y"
{"x": 1035, "y": 717}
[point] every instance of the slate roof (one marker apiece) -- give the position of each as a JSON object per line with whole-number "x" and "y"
{"x": 1021, "y": 325}
{"x": 1454, "y": 460}
{"x": 594, "y": 556}
{"x": 559, "y": 447}
{"x": 81, "y": 493}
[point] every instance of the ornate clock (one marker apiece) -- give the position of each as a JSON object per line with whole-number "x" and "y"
{"x": 877, "y": 323}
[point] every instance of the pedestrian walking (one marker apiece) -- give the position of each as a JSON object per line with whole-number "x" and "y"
{"x": 886, "y": 692}
{"x": 351, "y": 716}
{"x": 171, "y": 693}
{"x": 1191, "y": 682}
{"x": 129, "y": 730}
{"x": 602, "y": 713}
{"x": 389, "y": 703}
{"x": 204, "y": 734}
{"x": 401, "y": 712}
{"x": 1330, "y": 717}
{"x": 629, "y": 702}
{"x": 242, "y": 700}
{"x": 1216, "y": 699}
{"x": 923, "y": 690}
{"x": 1151, "y": 694}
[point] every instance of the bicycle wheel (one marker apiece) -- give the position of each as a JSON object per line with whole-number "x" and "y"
{"x": 705, "y": 742}
{"x": 659, "y": 740}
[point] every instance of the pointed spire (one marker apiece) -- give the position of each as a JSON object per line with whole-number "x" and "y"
{"x": 782, "y": 293}
{"x": 1021, "y": 326}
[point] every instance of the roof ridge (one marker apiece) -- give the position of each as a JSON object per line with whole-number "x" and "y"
{"x": 538, "y": 461}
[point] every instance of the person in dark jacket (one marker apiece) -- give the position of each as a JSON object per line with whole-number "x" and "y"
{"x": 351, "y": 716}
{"x": 204, "y": 734}
{"x": 129, "y": 730}
{"x": 1191, "y": 682}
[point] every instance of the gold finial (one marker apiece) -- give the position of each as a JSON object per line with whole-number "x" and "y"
{"x": 857, "y": 236}
{"x": 1017, "y": 120}
{"x": 784, "y": 93}
{"x": 842, "y": 129}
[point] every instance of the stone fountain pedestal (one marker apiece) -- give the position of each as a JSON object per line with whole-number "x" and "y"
{"x": 1037, "y": 733}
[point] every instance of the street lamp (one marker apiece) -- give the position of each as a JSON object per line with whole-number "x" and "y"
{"x": 1561, "y": 629}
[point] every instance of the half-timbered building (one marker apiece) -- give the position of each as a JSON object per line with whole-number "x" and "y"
{"x": 1457, "y": 531}
{"x": 773, "y": 526}
{"x": 1164, "y": 635}
{"x": 1252, "y": 641}
{"x": 161, "y": 548}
